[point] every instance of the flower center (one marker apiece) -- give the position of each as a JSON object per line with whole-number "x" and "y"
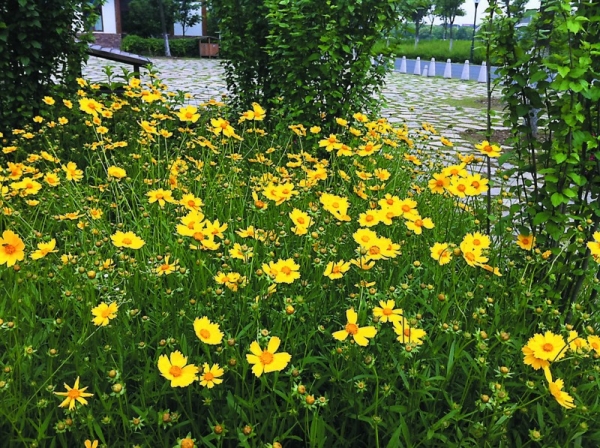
{"x": 105, "y": 313}
{"x": 461, "y": 188}
{"x": 300, "y": 220}
{"x": 208, "y": 376}
{"x": 406, "y": 208}
{"x": 175, "y": 371}
{"x": 475, "y": 184}
{"x": 476, "y": 242}
{"x": 351, "y": 329}
{"x": 547, "y": 347}
{"x": 407, "y": 332}
{"x": 369, "y": 218}
{"x": 365, "y": 239}
{"x": 165, "y": 267}
{"x": 419, "y": 223}
{"x": 266, "y": 358}
{"x": 191, "y": 203}
{"x": 374, "y": 250}
{"x": 526, "y": 241}
{"x": 335, "y": 205}
{"x": 204, "y": 333}
{"x": 198, "y": 236}
{"x": 470, "y": 256}
{"x": 74, "y": 393}
{"x": 335, "y": 270}
{"x": 286, "y": 270}
{"x": 9, "y": 249}
{"x": 488, "y": 148}
{"x": 159, "y": 196}
{"x": 439, "y": 183}
{"x": 387, "y": 311}
{"x": 127, "y": 241}
{"x": 390, "y": 201}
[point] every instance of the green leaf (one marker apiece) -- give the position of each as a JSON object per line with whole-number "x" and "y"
{"x": 560, "y": 157}
{"x": 557, "y": 199}
{"x": 540, "y": 218}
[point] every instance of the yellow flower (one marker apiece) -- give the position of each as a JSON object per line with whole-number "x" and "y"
{"x": 315, "y": 129}
{"x": 161, "y": 196}
{"x": 408, "y": 335}
{"x": 89, "y": 444}
{"x": 548, "y": 347}
{"x": 44, "y": 249}
{"x": 335, "y": 270}
{"x": 103, "y": 313}
{"x": 166, "y": 268}
{"x": 526, "y": 242}
{"x": 594, "y": 246}
{"x": 266, "y": 361}
{"x": 594, "y": 342}
{"x": 488, "y": 149}
{"x": 128, "y": 239}
{"x": 477, "y": 240}
{"x": 416, "y": 224}
{"x": 563, "y": 398}
{"x": 72, "y": 172}
{"x": 49, "y": 100}
{"x": 188, "y": 113}
{"x": 473, "y": 255}
{"x": 301, "y": 220}
{"x": 147, "y": 126}
{"x": 576, "y": 343}
{"x": 388, "y": 311}
{"x": 285, "y": 271}
{"x": 336, "y": 205}
{"x": 330, "y": 143}
{"x": 191, "y": 202}
{"x": 176, "y": 369}
{"x": 441, "y": 253}
{"x": 360, "y": 335}
{"x": 446, "y": 142}
{"x": 12, "y": 248}
{"x": 210, "y": 375}
{"x": 531, "y": 360}
{"x": 96, "y": 213}
{"x": 90, "y": 106}
{"x": 369, "y": 218}
{"x": 74, "y": 394}
{"x": 219, "y": 125}
{"x": 116, "y": 172}
{"x": 240, "y": 252}
{"x": 368, "y": 149}
{"x": 208, "y": 332}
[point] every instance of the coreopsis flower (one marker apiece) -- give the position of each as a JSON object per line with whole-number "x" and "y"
{"x": 209, "y": 376}
{"x": 455, "y": 171}
{"x": 488, "y": 149}
{"x": 382, "y": 174}
{"x": 413, "y": 159}
{"x": 176, "y": 369}
{"x": 95, "y": 213}
{"x": 103, "y": 313}
{"x": 72, "y": 172}
{"x": 44, "y": 249}
{"x": 368, "y": 149}
{"x": 188, "y": 113}
{"x": 52, "y": 179}
{"x": 249, "y": 232}
{"x": 446, "y": 142}
{"x": 477, "y": 185}
{"x": 548, "y": 347}
{"x": 241, "y": 252}
{"x": 127, "y": 239}
{"x": 594, "y": 246}
{"x": 116, "y": 172}
{"x": 408, "y": 208}
{"x": 477, "y": 240}
{"x": 594, "y": 342}
{"x": 266, "y": 361}
{"x": 232, "y": 280}
{"x": 284, "y": 271}
{"x": 577, "y": 344}
{"x": 365, "y": 237}
{"x": 216, "y": 229}
{"x": 369, "y": 218}
{"x": 207, "y": 332}
{"x": 49, "y": 100}
{"x": 361, "y": 335}
{"x": 442, "y": 253}
{"x": 148, "y": 127}
{"x": 12, "y": 248}
{"x": 525, "y": 242}
{"x": 387, "y": 311}
{"x": 74, "y": 395}
{"x": 280, "y": 193}
{"x": 191, "y": 202}
{"x": 161, "y": 196}
{"x": 336, "y": 270}
{"x": 563, "y": 398}
{"x": 459, "y": 187}
{"x": 472, "y": 255}
{"x": 330, "y": 143}
{"x": 407, "y": 334}
{"x": 301, "y": 220}
{"x": 90, "y": 106}
{"x": 166, "y": 268}
{"x": 222, "y": 126}
{"x": 27, "y": 186}
{"x": 416, "y": 224}
{"x": 336, "y": 205}
{"x": 364, "y": 263}
{"x": 533, "y": 361}
{"x": 315, "y": 129}
{"x": 89, "y": 444}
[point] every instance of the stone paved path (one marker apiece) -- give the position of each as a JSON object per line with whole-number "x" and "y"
{"x": 445, "y": 103}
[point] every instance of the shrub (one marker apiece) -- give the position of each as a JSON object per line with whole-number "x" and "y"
{"x": 150, "y": 46}
{"x": 438, "y": 49}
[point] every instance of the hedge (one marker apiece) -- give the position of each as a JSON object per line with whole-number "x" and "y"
{"x": 181, "y": 47}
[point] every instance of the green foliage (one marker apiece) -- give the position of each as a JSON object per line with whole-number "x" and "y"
{"x": 150, "y": 46}
{"x": 311, "y": 57}
{"x": 186, "y": 13}
{"x": 549, "y": 83}
{"x": 143, "y": 17}
{"x": 438, "y": 49}
{"x": 465, "y": 385}
{"x": 38, "y": 43}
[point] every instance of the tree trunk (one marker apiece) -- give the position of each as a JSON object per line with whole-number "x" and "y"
{"x": 164, "y": 28}
{"x": 417, "y": 29}
{"x": 451, "y": 34}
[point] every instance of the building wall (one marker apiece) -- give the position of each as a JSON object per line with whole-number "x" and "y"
{"x": 110, "y": 36}
{"x": 109, "y": 19}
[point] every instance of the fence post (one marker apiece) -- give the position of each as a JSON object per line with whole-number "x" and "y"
{"x": 466, "y": 75}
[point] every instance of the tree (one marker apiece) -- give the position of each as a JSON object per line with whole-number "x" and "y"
{"x": 42, "y": 42}
{"x": 449, "y": 10}
{"x": 186, "y": 13}
{"x": 416, "y": 11}
{"x": 143, "y": 17}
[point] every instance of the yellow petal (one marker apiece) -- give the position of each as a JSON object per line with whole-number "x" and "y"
{"x": 255, "y": 349}
{"x": 351, "y": 316}
{"x": 177, "y": 359}
{"x": 280, "y": 361}
{"x": 340, "y": 335}
{"x": 273, "y": 344}
{"x": 164, "y": 366}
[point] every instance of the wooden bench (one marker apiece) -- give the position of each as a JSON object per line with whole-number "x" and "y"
{"x": 114, "y": 54}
